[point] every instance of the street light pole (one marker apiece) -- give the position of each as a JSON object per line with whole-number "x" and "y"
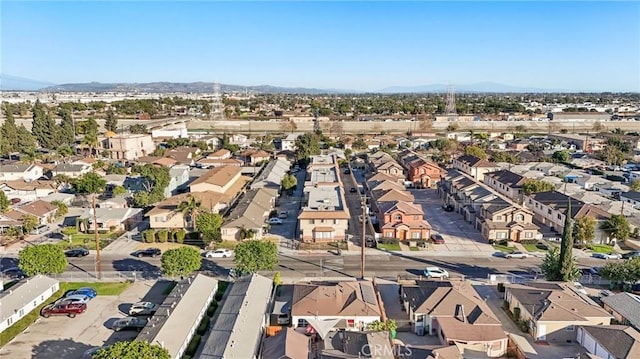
{"x": 364, "y": 233}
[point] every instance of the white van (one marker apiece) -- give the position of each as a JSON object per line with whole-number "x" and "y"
{"x": 40, "y": 229}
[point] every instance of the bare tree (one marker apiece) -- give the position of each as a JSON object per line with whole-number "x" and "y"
{"x": 598, "y": 126}
{"x": 337, "y": 128}
{"x": 288, "y": 126}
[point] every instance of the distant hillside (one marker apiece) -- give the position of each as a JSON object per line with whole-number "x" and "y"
{"x": 16, "y": 83}
{"x": 487, "y": 87}
{"x": 166, "y": 87}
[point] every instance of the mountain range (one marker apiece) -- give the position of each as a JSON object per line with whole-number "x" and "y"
{"x": 15, "y": 83}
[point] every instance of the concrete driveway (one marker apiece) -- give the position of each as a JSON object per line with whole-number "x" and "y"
{"x": 62, "y": 337}
{"x": 459, "y": 235}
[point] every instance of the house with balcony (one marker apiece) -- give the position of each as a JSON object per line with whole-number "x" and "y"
{"x": 332, "y": 306}
{"x": 552, "y": 311}
{"x": 324, "y": 216}
{"x": 456, "y": 314}
{"x": 20, "y": 172}
{"x": 500, "y": 219}
{"x": 474, "y": 166}
{"x": 404, "y": 221}
{"x": 550, "y": 209}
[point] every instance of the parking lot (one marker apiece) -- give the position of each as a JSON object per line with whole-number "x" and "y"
{"x": 459, "y": 235}
{"x": 62, "y": 337}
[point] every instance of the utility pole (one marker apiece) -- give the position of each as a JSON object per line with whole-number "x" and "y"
{"x": 363, "y": 243}
{"x": 97, "y": 237}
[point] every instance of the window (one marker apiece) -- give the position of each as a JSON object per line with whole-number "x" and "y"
{"x": 501, "y": 235}
{"x": 528, "y": 235}
{"x": 311, "y": 221}
{"x": 323, "y": 221}
{"x": 415, "y": 235}
{"x": 548, "y": 211}
{"x": 21, "y": 312}
{"x": 10, "y": 321}
{"x": 159, "y": 219}
{"x": 302, "y": 323}
{"x": 559, "y": 216}
{"x": 389, "y": 234}
{"x": 335, "y": 221}
{"x": 570, "y": 328}
{"x": 397, "y": 217}
{"x": 519, "y": 218}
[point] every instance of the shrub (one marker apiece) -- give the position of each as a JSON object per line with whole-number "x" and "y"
{"x": 503, "y": 242}
{"x": 149, "y": 236}
{"x": 163, "y": 236}
{"x": 212, "y": 309}
{"x": 193, "y": 345}
{"x": 528, "y": 241}
{"x": 389, "y": 240}
{"x": 179, "y": 235}
{"x": 516, "y": 313}
{"x": 204, "y": 325}
{"x": 501, "y": 287}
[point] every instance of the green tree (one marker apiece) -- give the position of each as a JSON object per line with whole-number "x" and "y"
{"x": 635, "y": 185}
{"x": 118, "y": 190}
{"x": 163, "y": 236}
{"x": 289, "y": 182}
{"x": 532, "y": 185}
{"x": 26, "y": 141}
{"x": 181, "y": 261}
{"x": 149, "y": 235}
{"x": 476, "y": 151}
{"x": 42, "y": 259}
{"x": 561, "y": 156}
{"x": 63, "y": 209}
{"x": 617, "y": 226}
{"x": 307, "y": 145}
{"x": 4, "y": 202}
{"x": 567, "y": 265}
{"x": 208, "y": 225}
{"x": 254, "y": 255}
{"x": 8, "y": 132}
{"x": 137, "y": 349}
{"x": 66, "y": 131}
{"x": 179, "y": 235}
{"x": 155, "y": 180}
{"x": 29, "y": 223}
{"x": 90, "y": 140}
{"x": 43, "y": 127}
{"x": 111, "y": 122}
{"x": 585, "y": 228}
{"x": 550, "y": 266}
{"x": 190, "y": 209}
{"x": 138, "y": 129}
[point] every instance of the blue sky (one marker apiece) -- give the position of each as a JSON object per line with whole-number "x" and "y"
{"x": 588, "y": 46}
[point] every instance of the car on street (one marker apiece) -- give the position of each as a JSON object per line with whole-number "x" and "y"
{"x": 149, "y": 252}
{"x": 517, "y": 254}
{"x": 143, "y": 308}
{"x": 275, "y": 220}
{"x": 542, "y": 245}
{"x": 87, "y": 291}
{"x": 353, "y": 190}
{"x": 631, "y": 255}
{"x": 219, "y": 253}
{"x": 129, "y": 323}
{"x": 77, "y": 252}
{"x": 347, "y": 171}
{"x": 436, "y": 272}
{"x": 63, "y": 308}
{"x": 437, "y": 238}
{"x": 283, "y": 214}
{"x": 447, "y": 208}
{"x": 607, "y": 255}
{"x": 75, "y": 298}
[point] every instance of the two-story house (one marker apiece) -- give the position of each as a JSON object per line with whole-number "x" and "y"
{"x": 183, "y": 155}
{"x": 28, "y": 191}
{"x": 166, "y": 215}
{"x": 507, "y": 183}
{"x": 423, "y": 173}
{"x": 474, "y": 166}
{"x": 253, "y": 157}
{"x": 550, "y": 209}
{"x": 178, "y": 177}
{"x": 129, "y": 146}
{"x": 20, "y": 172}
{"x": 500, "y": 219}
{"x": 247, "y": 219}
{"x": 455, "y": 313}
{"x": 552, "y": 311}
{"x": 404, "y": 221}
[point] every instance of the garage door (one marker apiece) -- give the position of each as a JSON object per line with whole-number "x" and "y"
{"x": 587, "y": 341}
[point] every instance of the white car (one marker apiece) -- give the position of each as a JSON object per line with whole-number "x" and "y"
{"x": 275, "y": 220}
{"x": 518, "y": 254}
{"x": 219, "y": 253}
{"x": 435, "y": 272}
{"x": 75, "y": 298}
{"x": 579, "y": 287}
{"x": 607, "y": 255}
{"x": 143, "y": 308}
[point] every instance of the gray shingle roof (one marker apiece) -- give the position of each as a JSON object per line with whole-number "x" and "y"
{"x": 627, "y": 305}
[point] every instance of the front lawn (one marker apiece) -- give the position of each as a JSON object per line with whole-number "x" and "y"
{"x": 102, "y": 288}
{"x": 389, "y": 246}
{"x": 88, "y": 240}
{"x": 601, "y": 248}
{"x": 414, "y": 249}
{"x": 503, "y": 248}
{"x": 532, "y": 248}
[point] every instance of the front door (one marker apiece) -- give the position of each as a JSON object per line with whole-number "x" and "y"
{"x": 402, "y": 235}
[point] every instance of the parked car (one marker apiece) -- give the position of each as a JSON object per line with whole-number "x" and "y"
{"x": 607, "y": 255}
{"x": 129, "y": 323}
{"x": 353, "y": 190}
{"x": 275, "y": 220}
{"x": 63, "y": 308}
{"x": 77, "y": 252}
{"x": 595, "y": 270}
{"x": 75, "y": 298}
{"x": 149, "y": 252}
{"x": 447, "y": 208}
{"x": 87, "y": 291}
{"x": 13, "y": 273}
{"x": 542, "y": 245}
{"x": 437, "y": 238}
{"x": 283, "y": 214}
{"x": 143, "y": 308}
{"x": 219, "y": 253}
{"x": 517, "y": 254}
{"x": 435, "y": 272}
{"x": 89, "y": 353}
{"x": 347, "y": 171}
{"x": 40, "y": 229}
{"x": 631, "y": 255}
{"x": 579, "y": 287}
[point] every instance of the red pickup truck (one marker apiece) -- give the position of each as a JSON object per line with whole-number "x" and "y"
{"x": 63, "y": 308}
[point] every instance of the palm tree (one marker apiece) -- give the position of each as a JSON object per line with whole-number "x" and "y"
{"x": 191, "y": 207}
